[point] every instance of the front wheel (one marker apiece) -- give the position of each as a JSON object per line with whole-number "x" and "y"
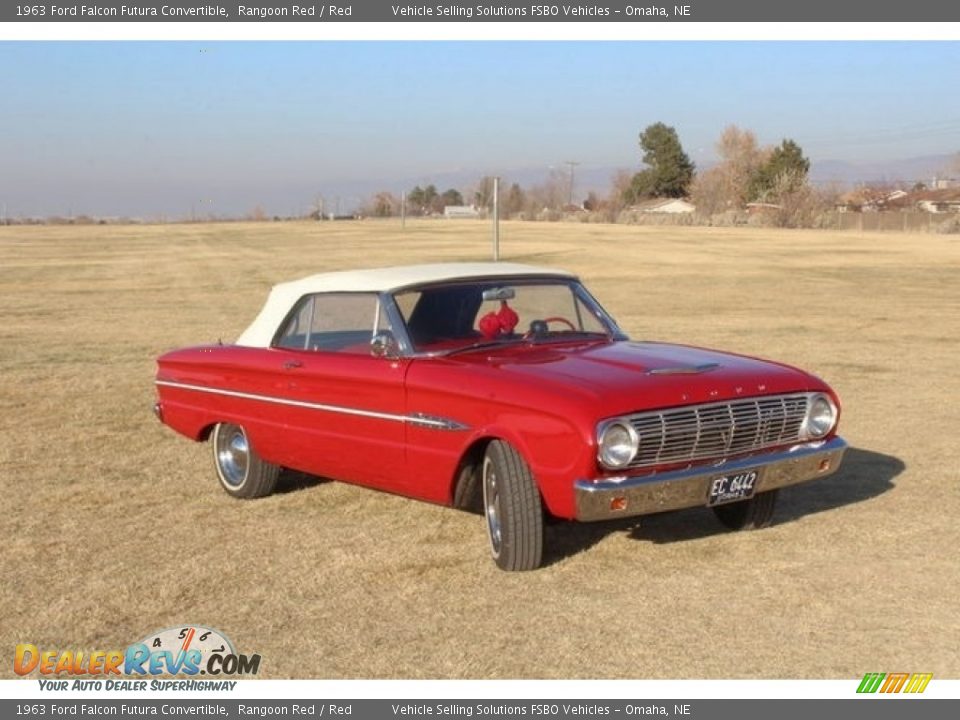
{"x": 752, "y": 514}
{"x": 511, "y": 504}
{"x": 241, "y": 471}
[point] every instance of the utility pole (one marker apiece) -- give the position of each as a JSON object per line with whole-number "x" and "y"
{"x": 570, "y": 164}
{"x": 403, "y": 210}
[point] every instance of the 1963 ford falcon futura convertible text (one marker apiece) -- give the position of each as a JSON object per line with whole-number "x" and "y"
{"x": 498, "y": 386}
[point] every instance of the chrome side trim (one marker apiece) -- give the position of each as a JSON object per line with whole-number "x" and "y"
{"x": 435, "y": 422}
{"x": 690, "y": 487}
{"x": 420, "y": 419}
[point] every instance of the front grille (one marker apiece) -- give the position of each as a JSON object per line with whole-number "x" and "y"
{"x": 717, "y": 430}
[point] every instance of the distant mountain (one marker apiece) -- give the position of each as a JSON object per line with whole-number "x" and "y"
{"x": 906, "y": 171}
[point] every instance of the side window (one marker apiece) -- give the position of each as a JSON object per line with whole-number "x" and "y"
{"x": 334, "y": 322}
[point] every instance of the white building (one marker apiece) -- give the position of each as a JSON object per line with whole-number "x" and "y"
{"x": 672, "y": 206}
{"x": 461, "y": 211}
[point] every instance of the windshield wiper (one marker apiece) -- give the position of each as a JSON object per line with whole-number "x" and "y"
{"x": 570, "y": 336}
{"x": 483, "y": 344}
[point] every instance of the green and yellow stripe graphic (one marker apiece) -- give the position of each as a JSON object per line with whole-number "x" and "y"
{"x": 894, "y": 682}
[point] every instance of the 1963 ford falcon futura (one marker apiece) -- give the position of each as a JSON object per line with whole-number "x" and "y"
{"x": 497, "y": 386}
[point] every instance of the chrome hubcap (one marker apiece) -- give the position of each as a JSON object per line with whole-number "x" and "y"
{"x": 491, "y": 504}
{"x": 233, "y": 455}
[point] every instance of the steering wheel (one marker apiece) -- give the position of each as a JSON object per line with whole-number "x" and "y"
{"x": 539, "y": 327}
{"x": 557, "y": 318}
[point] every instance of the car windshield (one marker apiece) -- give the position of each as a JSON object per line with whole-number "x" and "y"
{"x": 463, "y": 316}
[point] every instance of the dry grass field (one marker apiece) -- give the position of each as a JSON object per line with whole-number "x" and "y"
{"x": 113, "y": 526}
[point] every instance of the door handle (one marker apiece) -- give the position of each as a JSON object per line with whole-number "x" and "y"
{"x": 291, "y": 364}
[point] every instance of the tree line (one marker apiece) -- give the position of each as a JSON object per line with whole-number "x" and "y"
{"x": 774, "y": 176}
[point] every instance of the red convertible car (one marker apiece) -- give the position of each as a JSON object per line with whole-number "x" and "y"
{"x": 499, "y": 387}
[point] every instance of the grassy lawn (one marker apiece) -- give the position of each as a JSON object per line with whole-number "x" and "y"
{"x": 116, "y": 527}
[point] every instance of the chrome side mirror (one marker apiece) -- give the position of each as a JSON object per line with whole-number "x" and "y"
{"x": 384, "y": 345}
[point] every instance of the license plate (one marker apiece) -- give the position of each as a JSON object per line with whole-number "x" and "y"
{"x": 730, "y": 488}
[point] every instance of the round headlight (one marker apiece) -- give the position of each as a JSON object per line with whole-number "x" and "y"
{"x": 821, "y": 416}
{"x": 618, "y": 443}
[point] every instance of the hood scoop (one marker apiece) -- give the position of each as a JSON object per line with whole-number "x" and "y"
{"x": 684, "y": 369}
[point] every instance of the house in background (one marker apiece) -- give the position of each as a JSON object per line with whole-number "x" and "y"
{"x": 672, "y": 206}
{"x": 461, "y": 211}
{"x": 869, "y": 199}
{"x": 932, "y": 201}
{"x": 944, "y": 183}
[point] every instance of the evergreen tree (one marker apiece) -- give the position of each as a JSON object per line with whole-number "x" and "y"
{"x": 784, "y": 171}
{"x": 670, "y": 170}
{"x": 451, "y": 197}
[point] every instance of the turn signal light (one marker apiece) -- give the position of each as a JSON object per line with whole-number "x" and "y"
{"x": 618, "y": 503}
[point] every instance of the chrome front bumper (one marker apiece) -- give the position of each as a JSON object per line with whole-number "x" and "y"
{"x": 625, "y": 496}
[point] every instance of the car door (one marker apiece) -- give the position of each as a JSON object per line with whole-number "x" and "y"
{"x": 345, "y": 414}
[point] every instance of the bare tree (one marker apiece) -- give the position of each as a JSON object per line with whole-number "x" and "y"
{"x": 552, "y": 194}
{"x": 741, "y": 158}
{"x": 620, "y": 185}
{"x": 711, "y": 192}
{"x": 728, "y": 185}
{"x": 483, "y": 193}
{"x": 383, "y": 204}
{"x": 799, "y": 204}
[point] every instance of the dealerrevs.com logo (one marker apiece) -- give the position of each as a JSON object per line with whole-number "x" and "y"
{"x": 187, "y": 650}
{"x": 910, "y": 683}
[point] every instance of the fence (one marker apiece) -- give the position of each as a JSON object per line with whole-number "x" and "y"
{"x": 897, "y": 221}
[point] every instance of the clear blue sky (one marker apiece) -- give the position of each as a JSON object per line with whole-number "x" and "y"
{"x": 160, "y": 128}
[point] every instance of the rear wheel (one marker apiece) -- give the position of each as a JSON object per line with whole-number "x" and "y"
{"x": 242, "y": 473}
{"x": 511, "y": 504}
{"x": 752, "y": 514}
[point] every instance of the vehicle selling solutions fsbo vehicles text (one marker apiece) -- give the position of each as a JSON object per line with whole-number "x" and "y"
{"x": 480, "y": 10}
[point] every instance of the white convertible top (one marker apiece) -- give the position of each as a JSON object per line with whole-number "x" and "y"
{"x": 283, "y": 296}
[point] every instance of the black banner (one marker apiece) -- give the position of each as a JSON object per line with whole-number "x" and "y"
{"x": 854, "y": 11}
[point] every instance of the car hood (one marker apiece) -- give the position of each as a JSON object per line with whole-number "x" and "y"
{"x": 629, "y": 376}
